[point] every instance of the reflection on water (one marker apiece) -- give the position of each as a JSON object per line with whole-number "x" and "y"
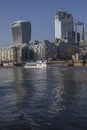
{"x": 53, "y": 98}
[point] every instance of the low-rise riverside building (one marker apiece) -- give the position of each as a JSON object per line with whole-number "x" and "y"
{"x": 37, "y": 50}
{"x": 43, "y": 50}
{"x": 83, "y": 50}
{"x": 7, "y": 54}
{"x": 14, "y": 53}
{"x": 66, "y": 50}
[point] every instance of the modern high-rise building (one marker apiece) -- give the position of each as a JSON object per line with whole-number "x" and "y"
{"x": 21, "y": 32}
{"x": 79, "y": 28}
{"x": 63, "y": 24}
{"x": 85, "y": 36}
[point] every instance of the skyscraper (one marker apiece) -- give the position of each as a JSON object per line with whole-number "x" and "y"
{"x": 63, "y": 24}
{"x": 21, "y": 32}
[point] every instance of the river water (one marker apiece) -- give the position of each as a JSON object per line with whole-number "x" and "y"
{"x": 52, "y": 98}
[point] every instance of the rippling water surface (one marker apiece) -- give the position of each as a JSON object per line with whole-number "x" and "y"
{"x": 54, "y": 98}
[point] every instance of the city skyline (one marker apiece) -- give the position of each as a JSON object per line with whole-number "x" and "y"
{"x": 40, "y": 14}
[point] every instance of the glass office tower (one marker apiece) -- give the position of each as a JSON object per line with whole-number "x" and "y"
{"x": 21, "y": 32}
{"x": 63, "y": 24}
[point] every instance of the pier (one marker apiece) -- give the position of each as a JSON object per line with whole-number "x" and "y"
{"x": 69, "y": 63}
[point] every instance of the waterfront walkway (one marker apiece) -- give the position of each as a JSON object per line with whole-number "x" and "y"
{"x": 69, "y": 63}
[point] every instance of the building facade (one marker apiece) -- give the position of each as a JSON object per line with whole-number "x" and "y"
{"x": 79, "y": 28}
{"x": 14, "y": 53}
{"x": 7, "y": 54}
{"x": 63, "y": 24}
{"x": 66, "y": 50}
{"x": 42, "y": 50}
{"x": 85, "y": 36}
{"x": 21, "y": 32}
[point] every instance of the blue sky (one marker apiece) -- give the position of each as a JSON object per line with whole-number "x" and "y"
{"x": 41, "y": 15}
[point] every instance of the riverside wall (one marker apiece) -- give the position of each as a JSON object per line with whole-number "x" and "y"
{"x": 69, "y": 63}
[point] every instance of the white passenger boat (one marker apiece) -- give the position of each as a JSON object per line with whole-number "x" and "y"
{"x": 37, "y": 64}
